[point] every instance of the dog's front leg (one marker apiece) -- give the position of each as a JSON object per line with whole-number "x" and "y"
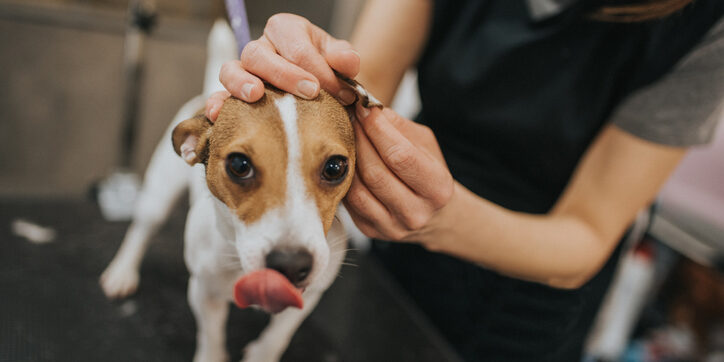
{"x": 275, "y": 338}
{"x": 120, "y": 278}
{"x": 211, "y": 312}
{"x": 165, "y": 181}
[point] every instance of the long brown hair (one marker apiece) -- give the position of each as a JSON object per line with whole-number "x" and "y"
{"x": 641, "y": 10}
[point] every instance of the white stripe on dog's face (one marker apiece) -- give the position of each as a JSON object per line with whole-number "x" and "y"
{"x": 296, "y": 222}
{"x": 300, "y": 215}
{"x": 288, "y": 203}
{"x": 287, "y": 107}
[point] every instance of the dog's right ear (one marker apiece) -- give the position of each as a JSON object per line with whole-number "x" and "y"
{"x": 191, "y": 139}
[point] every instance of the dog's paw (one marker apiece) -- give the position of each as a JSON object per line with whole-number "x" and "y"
{"x": 119, "y": 280}
{"x": 261, "y": 352}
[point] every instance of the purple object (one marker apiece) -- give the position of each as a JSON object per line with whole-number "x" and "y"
{"x": 697, "y": 186}
{"x": 239, "y": 22}
{"x": 690, "y": 212}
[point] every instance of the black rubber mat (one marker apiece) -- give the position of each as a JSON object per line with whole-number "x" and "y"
{"x": 52, "y": 309}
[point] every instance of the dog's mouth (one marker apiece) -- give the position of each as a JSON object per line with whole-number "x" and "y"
{"x": 267, "y": 289}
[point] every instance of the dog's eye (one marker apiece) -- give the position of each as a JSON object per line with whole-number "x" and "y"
{"x": 335, "y": 169}
{"x": 238, "y": 166}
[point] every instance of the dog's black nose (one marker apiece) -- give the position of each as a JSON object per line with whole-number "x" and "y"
{"x": 295, "y": 264}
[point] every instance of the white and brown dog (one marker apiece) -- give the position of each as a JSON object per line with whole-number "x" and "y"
{"x": 267, "y": 181}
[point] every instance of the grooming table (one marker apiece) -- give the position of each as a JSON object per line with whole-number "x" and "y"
{"x": 52, "y": 308}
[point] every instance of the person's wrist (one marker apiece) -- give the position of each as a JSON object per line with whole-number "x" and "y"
{"x": 442, "y": 226}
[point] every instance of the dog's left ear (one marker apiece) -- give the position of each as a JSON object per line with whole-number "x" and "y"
{"x": 364, "y": 97}
{"x": 191, "y": 139}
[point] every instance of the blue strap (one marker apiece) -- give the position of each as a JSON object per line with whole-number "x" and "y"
{"x": 239, "y": 22}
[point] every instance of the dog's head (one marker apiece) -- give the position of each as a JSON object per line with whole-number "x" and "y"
{"x": 280, "y": 167}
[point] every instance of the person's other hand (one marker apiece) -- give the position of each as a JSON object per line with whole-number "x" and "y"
{"x": 293, "y": 55}
{"x": 402, "y": 179}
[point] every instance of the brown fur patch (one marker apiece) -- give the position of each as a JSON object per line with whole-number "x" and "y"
{"x": 255, "y": 130}
{"x": 325, "y": 130}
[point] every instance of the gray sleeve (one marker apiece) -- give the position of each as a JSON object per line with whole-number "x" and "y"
{"x": 684, "y": 107}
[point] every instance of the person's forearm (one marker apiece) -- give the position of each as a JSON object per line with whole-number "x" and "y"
{"x": 557, "y": 250}
{"x": 389, "y": 37}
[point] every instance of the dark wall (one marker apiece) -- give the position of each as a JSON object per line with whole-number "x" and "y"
{"x": 61, "y": 84}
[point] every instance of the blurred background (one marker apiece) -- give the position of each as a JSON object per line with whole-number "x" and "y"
{"x": 62, "y": 96}
{"x": 62, "y": 82}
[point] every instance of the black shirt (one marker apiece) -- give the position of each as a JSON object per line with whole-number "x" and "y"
{"x": 514, "y": 103}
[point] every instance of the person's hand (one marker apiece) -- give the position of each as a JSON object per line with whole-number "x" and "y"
{"x": 402, "y": 179}
{"x": 293, "y": 55}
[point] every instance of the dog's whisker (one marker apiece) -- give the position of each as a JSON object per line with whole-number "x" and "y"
{"x": 228, "y": 253}
{"x": 231, "y": 243}
{"x": 230, "y": 265}
{"x": 230, "y": 262}
{"x": 230, "y": 258}
{"x": 229, "y": 268}
{"x": 333, "y": 243}
{"x": 335, "y": 252}
{"x": 338, "y": 239}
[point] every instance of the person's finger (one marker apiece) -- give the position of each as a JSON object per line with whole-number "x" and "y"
{"x": 360, "y": 202}
{"x": 214, "y": 103}
{"x": 240, "y": 83}
{"x": 364, "y": 203}
{"x": 340, "y": 55}
{"x": 302, "y": 53}
{"x": 407, "y": 207}
{"x": 415, "y": 168}
{"x": 298, "y": 44}
{"x": 418, "y": 134}
{"x": 260, "y": 59}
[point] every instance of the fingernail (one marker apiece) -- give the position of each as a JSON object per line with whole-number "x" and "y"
{"x": 307, "y": 88}
{"x": 246, "y": 90}
{"x": 355, "y": 53}
{"x": 346, "y": 96}
{"x": 362, "y": 112}
{"x": 213, "y": 112}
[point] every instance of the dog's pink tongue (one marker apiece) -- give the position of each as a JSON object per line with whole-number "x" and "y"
{"x": 268, "y": 289}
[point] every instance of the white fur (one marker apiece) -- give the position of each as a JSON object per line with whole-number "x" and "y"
{"x": 165, "y": 180}
{"x": 219, "y": 247}
{"x": 302, "y": 214}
